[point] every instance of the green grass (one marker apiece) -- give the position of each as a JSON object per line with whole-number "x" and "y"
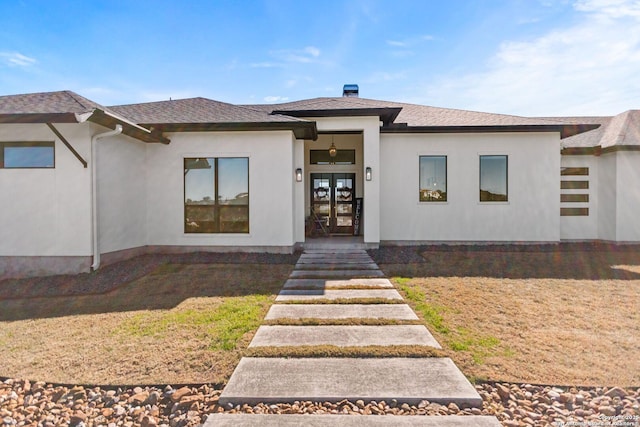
{"x": 432, "y": 314}
{"x": 461, "y": 339}
{"x": 222, "y": 324}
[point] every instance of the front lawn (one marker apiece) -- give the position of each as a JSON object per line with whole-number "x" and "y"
{"x": 540, "y": 315}
{"x": 181, "y": 323}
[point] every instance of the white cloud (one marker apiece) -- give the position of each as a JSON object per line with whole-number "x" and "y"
{"x": 396, "y": 43}
{"x": 313, "y": 51}
{"x": 266, "y": 65}
{"x": 609, "y": 8}
{"x": 591, "y": 67}
{"x": 306, "y": 55}
{"x": 16, "y": 59}
{"x": 275, "y": 98}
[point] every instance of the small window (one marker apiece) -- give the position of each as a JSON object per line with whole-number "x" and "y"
{"x": 493, "y": 179}
{"x": 322, "y": 157}
{"x": 216, "y": 195}
{"x": 15, "y": 155}
{"x": 433, "y": 178}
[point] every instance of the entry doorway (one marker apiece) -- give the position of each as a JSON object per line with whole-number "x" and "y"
{"x": 332, "y": 198}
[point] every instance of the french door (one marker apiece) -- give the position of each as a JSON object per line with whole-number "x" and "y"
{"x": 332, "y": 197}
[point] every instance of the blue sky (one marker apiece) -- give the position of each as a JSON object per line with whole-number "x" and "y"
{"x": 523, "y": 57}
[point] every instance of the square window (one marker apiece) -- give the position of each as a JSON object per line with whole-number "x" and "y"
{"x": 433, "y": 178}
{"x": 494, "y": 179}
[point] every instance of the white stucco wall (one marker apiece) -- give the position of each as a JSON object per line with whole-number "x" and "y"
{"x": 299, "y": 191}
{"x": 581, "y": 227}
{"x": 607, "y": 195}
{"x": 531, "y": 214}
{"x": 628, "y": 196}
{"x": 121, "y": 193}
{"x": 270, "y": 190}
{"x": 46, "y": 212}
{"x": 367, "y": 146}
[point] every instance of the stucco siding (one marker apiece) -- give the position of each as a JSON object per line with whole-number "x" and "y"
{"x": 270, "y": 189}
{"x": 607, "y": 195}
{"x": 46, "y": 212}
{"x": 530, "y": 214}
{"x": 121, "y": 193}
{"x": 628, "y": 196}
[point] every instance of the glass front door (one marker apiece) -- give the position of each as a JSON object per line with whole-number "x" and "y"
{"x": 332, "y": 197}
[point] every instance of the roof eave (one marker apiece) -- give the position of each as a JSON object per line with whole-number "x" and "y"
{"x": 301, "y": 130}
{"x": 17, "y": 118}
{"x": 387, "y": 115}
{"x": 96, "y": 116}
{"x": 133, "y": 130}
{"x": 564, "y": 130}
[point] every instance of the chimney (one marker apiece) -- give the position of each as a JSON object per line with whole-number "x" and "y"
{"x": 350, "y": 91}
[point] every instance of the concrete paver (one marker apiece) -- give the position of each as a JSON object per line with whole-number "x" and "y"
{"x": 341, "y": 266}
{"x": 343, "y": 336}
{"x": 336, "y": 273}
{"x": 251, "y": 420}
{"x": 410, "y": 380}
{"x": 341, "y": 311}
{"x": 332, "y": 294}
{"x": 327, "y": 283}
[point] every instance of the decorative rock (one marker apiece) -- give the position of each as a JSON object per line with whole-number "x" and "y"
{"x": 616, "y": 392}
{"x": 503, "y": 391}
{"x": 609, "y": 411}
{"x": 180, "y": 393}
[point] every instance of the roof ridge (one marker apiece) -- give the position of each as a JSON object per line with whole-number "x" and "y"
{"x": 75, "y": 97}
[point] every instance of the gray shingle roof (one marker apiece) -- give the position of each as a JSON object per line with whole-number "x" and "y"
{"x": 197, "y": 110}
{"x": 622, "y": 129}
{"x": 411, "y": 114}
{"x": 47, "y": 103}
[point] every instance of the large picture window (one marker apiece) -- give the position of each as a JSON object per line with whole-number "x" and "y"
{"x": 433, "y": 178}
{"x": 493, "y": 179}
{"x": 216, "y": 195}
{"x": 14, "y": 155}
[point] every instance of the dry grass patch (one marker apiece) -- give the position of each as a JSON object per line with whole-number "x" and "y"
{"x": 180, "y": 324}
{"x": 503, "y": 325}
{"x": 335, "y": 351}
{"x": 360, "y": 321}
{"x": 343, "y": 301}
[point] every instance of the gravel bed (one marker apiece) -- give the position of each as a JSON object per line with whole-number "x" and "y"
{"x": 111, "y": 276}
{"x": 38, "y": 404}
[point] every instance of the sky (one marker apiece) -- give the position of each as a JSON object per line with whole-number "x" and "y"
{"x": 520, "y": 57}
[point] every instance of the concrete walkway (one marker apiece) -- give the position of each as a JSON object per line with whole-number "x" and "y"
{"x": 322, "y": 281}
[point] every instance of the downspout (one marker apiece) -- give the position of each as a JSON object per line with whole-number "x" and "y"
{"x": 94, "y": 192}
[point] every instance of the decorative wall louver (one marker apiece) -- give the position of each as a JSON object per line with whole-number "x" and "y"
{"x": 572, "y": 202}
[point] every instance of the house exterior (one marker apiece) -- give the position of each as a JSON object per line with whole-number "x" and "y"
{"x": 82, "y": 185}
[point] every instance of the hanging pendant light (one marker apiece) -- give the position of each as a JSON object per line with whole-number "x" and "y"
{"x": 333, "y": 151}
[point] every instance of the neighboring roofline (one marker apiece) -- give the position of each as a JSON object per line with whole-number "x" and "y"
{"x": 564, "y": 130}
{"x": 598, "y": 150}
{"x": 301, "y": 130}
{"x": 386, "y": 114}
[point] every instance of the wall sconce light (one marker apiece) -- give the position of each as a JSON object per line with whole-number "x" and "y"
{"x": 299, "y": 175}
{"x": 367, "y": 173}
